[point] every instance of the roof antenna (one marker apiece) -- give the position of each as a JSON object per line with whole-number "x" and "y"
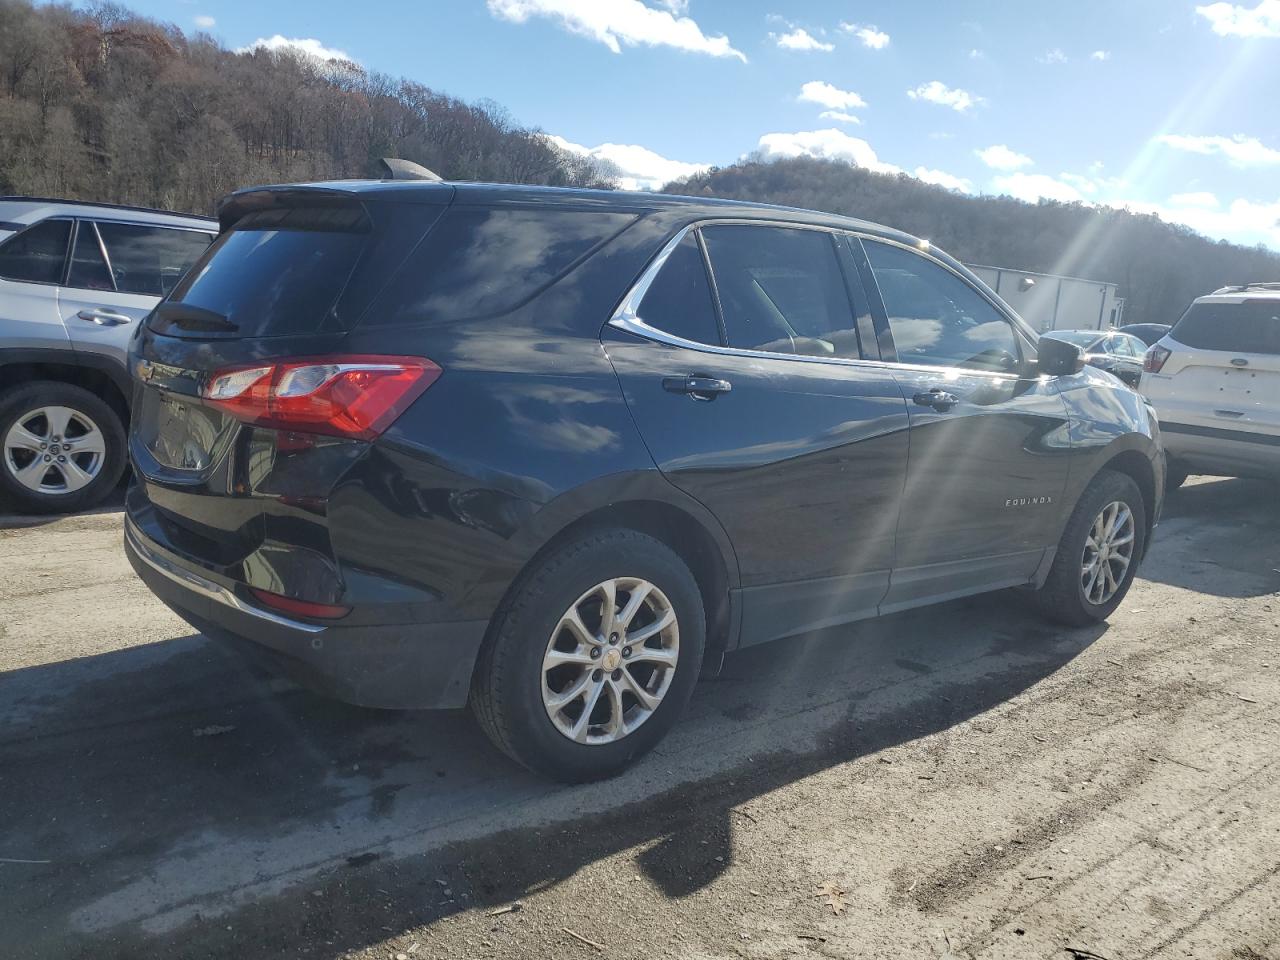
{"x": 397, "y": 169}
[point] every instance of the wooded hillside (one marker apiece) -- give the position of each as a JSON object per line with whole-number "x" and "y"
{"x": 101, "y": 104}
{"x": 1159, "y": 266}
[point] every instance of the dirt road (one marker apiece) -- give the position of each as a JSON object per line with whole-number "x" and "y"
{"x": 970, "y": 781}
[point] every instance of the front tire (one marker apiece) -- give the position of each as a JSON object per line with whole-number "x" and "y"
{"x": 62, "y": 448}
{"x": 594, "y": 657}
{"x": 1098, "y": 554}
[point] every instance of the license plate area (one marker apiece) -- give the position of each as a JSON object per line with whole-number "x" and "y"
{"x": 180, "y": 434}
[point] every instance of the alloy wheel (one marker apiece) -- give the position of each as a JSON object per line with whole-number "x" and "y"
{"x": 1108, "y": 551}
{"x": 610, "y": 660}
{"x": 54, "y": 450}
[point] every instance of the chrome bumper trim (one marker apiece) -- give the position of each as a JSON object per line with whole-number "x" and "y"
{"x": 136, "y": 541}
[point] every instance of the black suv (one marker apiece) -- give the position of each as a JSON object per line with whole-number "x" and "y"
{"x": 554, "y": 452}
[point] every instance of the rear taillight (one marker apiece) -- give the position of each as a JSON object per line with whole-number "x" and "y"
{"x": 300, "y": 608}
{"x": 1153, "y": 362}
{"x": 343, "y": 396}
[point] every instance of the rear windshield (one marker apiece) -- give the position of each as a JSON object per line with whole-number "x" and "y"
{"x": 1249, "y": 327}
{"x": 483, "y": 261}
{"x": 278, "y": 272}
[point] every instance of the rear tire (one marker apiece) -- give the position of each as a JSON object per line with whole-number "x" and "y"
{"x": 1072, "y": 593}
{"x": 515, "y": 693}
{"x": 54, "y": 414}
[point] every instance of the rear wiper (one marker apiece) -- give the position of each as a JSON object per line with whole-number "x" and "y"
{"x": 196, "y": 319}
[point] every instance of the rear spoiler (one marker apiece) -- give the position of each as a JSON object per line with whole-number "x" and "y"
{"x": 243, "y": 202}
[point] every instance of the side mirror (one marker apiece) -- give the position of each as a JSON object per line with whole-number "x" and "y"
{"x": 1058, "y": 358}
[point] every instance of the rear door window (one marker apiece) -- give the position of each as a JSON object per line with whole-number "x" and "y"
{"x": 1127, "y": 346}
{"x": 149, "y": 260}
{"x": 781, "y": 290}
{"x": 483, "y": 261}
{"x": 1252, "y": 326}
{"x": 37, "y": 254}
{"x": 679, "y": 300}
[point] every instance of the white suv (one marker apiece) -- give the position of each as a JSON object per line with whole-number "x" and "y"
{"x": 1214, "y": 381}
{"x": 75, "y": 278}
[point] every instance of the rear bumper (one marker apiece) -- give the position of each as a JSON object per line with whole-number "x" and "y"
{"x": 399, "y": 666}
{"x": 1222, "y": 451}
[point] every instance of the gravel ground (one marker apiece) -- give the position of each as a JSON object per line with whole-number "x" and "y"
{"x": 962, "y": 781}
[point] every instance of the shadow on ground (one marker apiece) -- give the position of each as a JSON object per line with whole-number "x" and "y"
{"x": 188, "y": 806}
{"x": 1239, "y": 556}
{"x": 180, "y": 797}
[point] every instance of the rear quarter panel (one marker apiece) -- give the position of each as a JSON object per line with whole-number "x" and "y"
{"x": 525, "y": 431}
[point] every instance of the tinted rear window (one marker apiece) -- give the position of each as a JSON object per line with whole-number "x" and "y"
{"x": 278, "y": 272}
{"x": 1249, "y": 327}
{"x": 483, "y": 261}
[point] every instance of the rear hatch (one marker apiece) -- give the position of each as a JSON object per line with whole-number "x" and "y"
{"x": 1223, "y": 369}
{"x": 246, "y": 411}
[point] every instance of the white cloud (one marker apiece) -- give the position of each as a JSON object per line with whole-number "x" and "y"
{"x": 944, "y": 179}
{"x": 1237, "y": 20}
{"x": 1240, "y": 150}
{"x": 870, "y": 36}
{"x": 308, "y": 46}
{"x": 205, "y": 22}
{"x": 830, "y": 144}
{"x": 976, "y": 54}
{"x": 616, "y": 23}
{"x": 1100, "y": 55}
{"x": 1052, "y": 56}
{"x": 1242, "y": 221}
{"x": 1036, "y": 186}
{"x": 838, "y": 115}
{"x": 1202, "y": 199}
{"x": 935, "y": 91}
{"x": 1084, "y": 184}
{"x": 639, "y": 168}
{"x": 1000, "y": 157}
{"x": 801, "y": 39}
{"x": 833, "y": 98}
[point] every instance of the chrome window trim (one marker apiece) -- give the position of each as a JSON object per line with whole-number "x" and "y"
{"x": 627, "y": 318}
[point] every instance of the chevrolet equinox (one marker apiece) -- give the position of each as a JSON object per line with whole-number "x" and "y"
{"x": 552, "y": 453}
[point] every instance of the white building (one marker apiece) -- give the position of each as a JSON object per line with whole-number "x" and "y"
{"x": 1048, "y": 302}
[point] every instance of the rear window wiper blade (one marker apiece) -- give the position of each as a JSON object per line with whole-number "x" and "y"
{"x": 196, "y": 319}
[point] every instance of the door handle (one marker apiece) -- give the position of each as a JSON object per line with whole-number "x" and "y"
{"x": 105, "y": 318}
{"x": 700, "y": 388}
{"x": 940, "y": 400}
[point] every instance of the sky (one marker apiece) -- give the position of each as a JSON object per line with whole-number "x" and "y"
{"x": 1164, "y": 106}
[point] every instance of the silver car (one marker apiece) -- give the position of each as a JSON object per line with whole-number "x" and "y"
{"x": 75, "y": 279}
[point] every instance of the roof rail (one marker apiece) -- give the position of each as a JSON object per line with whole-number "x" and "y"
{"x": 1243, "y": 287}
{"x": 108, "y": 206}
